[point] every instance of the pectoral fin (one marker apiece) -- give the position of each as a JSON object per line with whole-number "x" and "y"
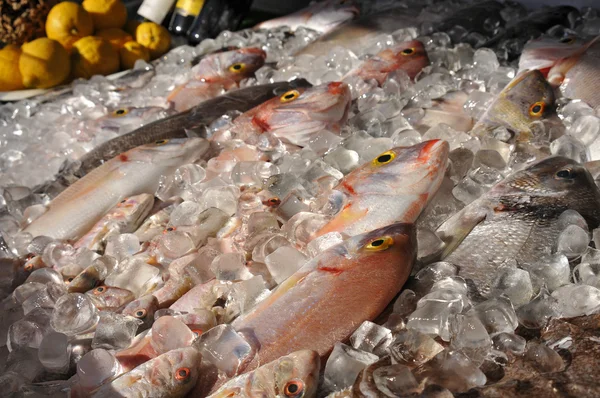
{"x": 456, "y": 228}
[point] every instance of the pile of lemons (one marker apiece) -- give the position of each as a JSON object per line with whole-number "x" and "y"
{"x": 82, "y": 41}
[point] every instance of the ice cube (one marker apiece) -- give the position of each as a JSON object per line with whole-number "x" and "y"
{"x": 451, "y": 283}
{"x": 244, "y": 295}
{"x": 134, "y": 275}
{"x": 267, "y": 245}
{"x": 497, "y": 315}
{"x": 45, "y": 275}
{"x": 262, "y": 222}
{"x": 301, "y": 227}
{"x": 413, "y": 348}
{"x": 54, "y": 352}
{"x": 570, "y": 147}
{"x": 468, "y": 190}
{"x": 426, "y": 277}
{"x": 174, "y": 244}
{"x": 577, "y": 300}
{"x": 571, "y": 217}
{"x": 544, "y": 358}
{"x": 509, "y": 342}
{"x": 96, "y": 367}
{"x": 469, "y": 336}
{"x": 433, "y": 312}
{"x": 395, "y": 380}
{"x": 230, "y": 267}
{"x": 515, "y": 283}
{"x": 429, "y": 244}
{"x": 225, "y": 348}
{"x": 405, "y": 303}
{"x": 372, "y": 338}
{"x": 477, "y": 103}
{"x": 283, "y": 262}
{"x": 536, "y": 313}
{"x": 252, "y": 173}
{"x": 586, "y": 129}
{"x": 122, "y": 246}
{"x": 44, "y": 298}
{"x": 24, "y": 333}
{"x": 344, "y": 365}
{"x": 324, "y": 242}
{"x": 573, "y": 241}
{"x": 169, "y": 333}
{"x": 452, "y": 370}
{"x": 73, "y": 314}
{"x": 345, "y": 160}
{"x": 186, "y": 213}
{"x": 552, "y": 270}
{"x": 114, "y": 331}
{"x": 223, "y": 198}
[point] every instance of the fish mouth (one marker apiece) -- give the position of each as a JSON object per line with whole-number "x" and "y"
{"x": 434, "y": 150}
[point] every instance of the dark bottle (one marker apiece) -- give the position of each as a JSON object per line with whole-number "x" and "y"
{"x": 216, "y": 16}
{"x": 183, "y": 16}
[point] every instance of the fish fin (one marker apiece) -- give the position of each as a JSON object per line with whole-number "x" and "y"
{"x": 454, "y": 230}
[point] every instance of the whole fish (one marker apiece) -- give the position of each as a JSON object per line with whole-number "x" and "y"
{"x": 544, "y": 52}
{"x": 527, "y": 98}
{"x": 324, "y": 301}
{"x": 293, "y": 375}
{"x": 215, "y": 74}
{"x": 517, "y": 218}
{"x": 87, "y": 279}
{"x": 125, "y": 217}
{"x": 409, "y": 56}
{"x": 578, "y": 74}
{"x": 72, "y": 213}
{"x": 172, "y": 374}
{"x": 295, "y": 117}
{"x": 322, "y": 16}
{"x": 181, "y": 124}
{"x": 449, "y": 110}
{"x": 532, "y": 26}
{"x": 393, "y": 187}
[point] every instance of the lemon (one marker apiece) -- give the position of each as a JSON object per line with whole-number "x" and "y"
{"x": 131, "y": 52}
{"x": 114, "y": 36}
{"x": 68, "y": 22}
{"x": 44, "y": 63}
{"x": 106, "y": 13}
{"x": 154, "y": 37}
{"x": 10, "y": 77}
{"x": 93, "y": 56}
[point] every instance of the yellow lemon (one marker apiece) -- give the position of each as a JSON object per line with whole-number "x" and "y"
{"x": 106, "y": 13}
{"x": 44, "y": 63}
{"x": 154, "y": 37}
{"x": 94, "y": 56}
{"x": 114, "y": 36}
{"x": 10, "y": 77}
{"x": 68, "y": 22}
{"x": 131, "y": 52}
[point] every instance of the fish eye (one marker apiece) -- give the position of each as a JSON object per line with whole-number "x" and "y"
{"x": 182, "y": 374}
{"x": 28, "y": 267}
{"x": 70, "y": 279}
{"x": 170, "y": 229}
{"x": 537, "y": 109}
{"x": 273, "y": 202}
{"x": 566, "y": 174}
{"x": 384, "y": 158}
{"x": 120, "y": 112}
{"x": 380, "y": 244}
{"x": 237, "y": 68}
{"x": 99, "y": 290}
{"x": 289, "y": 96}
{"x": 567, "y": 40}
{"x": 197, "y": 332}
{"x": 408, "y": 51}
{"x": 293, "y": 388}
{"x": 140, "y": 313}
{"x": 160, "y": 142}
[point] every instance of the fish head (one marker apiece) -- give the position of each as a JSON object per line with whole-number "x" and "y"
{"x": 176, "y": 371}
{"x": 553, "y": 184}
{"x": 143, "y": 309}
{"x": 298, "y": 115}
{"x": 167, "y": 152}
{"x": 240, "y": 64}
{"x": 526, "y": 99}
{"x": 136, "y": 207}
{"x": 109, "y": 297}
{"x": 409, "y": 56}
{"x": 128, "y": 115}
{"x": 417, "y": 169}
{"x": 297, "y": 375}
{"x": 389, "y": 242}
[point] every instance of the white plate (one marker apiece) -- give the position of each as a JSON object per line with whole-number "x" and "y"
{"x": 19, "y": 95}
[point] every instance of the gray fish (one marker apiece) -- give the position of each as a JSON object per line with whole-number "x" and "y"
{"x": 180, "y": 125}
{"x": 517, "y": 218}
